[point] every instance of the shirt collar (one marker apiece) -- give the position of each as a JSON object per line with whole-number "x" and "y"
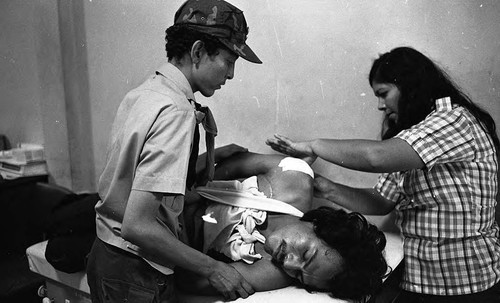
{"x": 444, "y": 104}
{"x": 172, "y": 73}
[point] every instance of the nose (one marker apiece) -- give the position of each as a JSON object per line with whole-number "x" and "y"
{"x": 230, "y": 72}
{"x": 292, "y": 262}
{"x": 381, "y": 104}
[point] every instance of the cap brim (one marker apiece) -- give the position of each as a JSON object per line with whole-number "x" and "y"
{"x": 242, "y": 50}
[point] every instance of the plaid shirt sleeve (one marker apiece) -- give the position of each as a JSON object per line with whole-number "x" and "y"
{"x": 387, "y": 187}
{"x": 444, "y": 136}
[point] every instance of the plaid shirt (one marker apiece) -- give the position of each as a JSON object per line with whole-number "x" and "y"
{"x": 446, "y": 211}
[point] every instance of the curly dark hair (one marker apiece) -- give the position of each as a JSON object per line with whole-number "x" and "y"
{"x": 421, "y": 82}
{"x": 179, "y": 39}
{"x": 361, "y": 246}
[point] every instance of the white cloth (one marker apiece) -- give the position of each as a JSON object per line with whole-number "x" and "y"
{"x": 235, "y": 232}
{"x": 230, "y": 225}
{"x": 296, "y": 164}
{"x": 245, "y": 194}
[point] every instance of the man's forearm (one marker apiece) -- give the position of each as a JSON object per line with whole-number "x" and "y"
{"x": 142, "y": 228}
{"x": 159, "y": 245}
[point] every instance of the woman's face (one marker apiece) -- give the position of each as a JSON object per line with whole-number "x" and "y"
{"x": 302, "y": 255}
{"x": 388, "y": 95}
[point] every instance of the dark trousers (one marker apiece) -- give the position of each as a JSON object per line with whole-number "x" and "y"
{"x": 115, "y": 275}
{"x": 491, "y": 295}
{"x": 391, "y": 293}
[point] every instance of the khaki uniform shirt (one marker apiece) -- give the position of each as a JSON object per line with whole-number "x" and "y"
{"x": 151, "y": 141}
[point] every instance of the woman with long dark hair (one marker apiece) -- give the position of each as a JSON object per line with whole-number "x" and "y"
{"x": 438, "y": 160}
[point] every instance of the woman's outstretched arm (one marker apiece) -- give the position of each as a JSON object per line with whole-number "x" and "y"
{"x": 374, "y": 156}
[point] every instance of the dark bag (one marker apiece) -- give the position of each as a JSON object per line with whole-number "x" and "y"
{"x": 71, "y": 232}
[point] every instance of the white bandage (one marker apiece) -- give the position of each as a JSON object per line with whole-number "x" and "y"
{"x": 296, "y": 164}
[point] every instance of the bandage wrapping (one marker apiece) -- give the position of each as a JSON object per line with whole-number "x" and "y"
{"x": 235, "y": 233}
{"x": 231, "y": 230}
{"x": 241, "y": 244}
{"x": 296, "y": 164}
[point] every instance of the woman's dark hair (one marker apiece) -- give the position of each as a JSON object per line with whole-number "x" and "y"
{"x": 180, "y": 38}
{"x": 361, "y": 246}
{"x": 421, "y": 82}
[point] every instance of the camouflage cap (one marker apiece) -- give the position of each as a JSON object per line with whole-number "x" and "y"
{"x": 221, "y": 20}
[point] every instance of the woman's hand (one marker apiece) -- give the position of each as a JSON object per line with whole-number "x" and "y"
{"x": 302, "y": 150}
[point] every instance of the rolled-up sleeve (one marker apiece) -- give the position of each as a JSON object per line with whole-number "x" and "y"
{"x": 444, "y": 136}
{"x": 164, "y": 158}
{"x": 387, "y": 187}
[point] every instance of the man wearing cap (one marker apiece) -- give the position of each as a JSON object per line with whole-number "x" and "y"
{"x": 151, "y": 163}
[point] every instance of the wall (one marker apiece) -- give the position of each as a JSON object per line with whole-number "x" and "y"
{"x": 32, "y": 101}
{"x": 18, "y": 62}
{"x": 316, "y": 55}
{"x": 316, "y": 58}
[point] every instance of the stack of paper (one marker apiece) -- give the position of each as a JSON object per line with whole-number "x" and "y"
{"x": 25, "y": 160}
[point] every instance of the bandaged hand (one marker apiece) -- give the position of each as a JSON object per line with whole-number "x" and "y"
{"x": 227, "y": 151}
{"x": 301, "y": 150}
{"x": 229, "y": 282}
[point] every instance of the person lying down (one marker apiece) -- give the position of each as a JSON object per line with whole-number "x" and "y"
{"x": 325, "y": 249}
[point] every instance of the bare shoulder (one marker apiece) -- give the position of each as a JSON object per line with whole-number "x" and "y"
{"x": 293, "y": 187}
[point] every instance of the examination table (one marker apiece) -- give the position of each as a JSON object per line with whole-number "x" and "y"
{"x": 73, "y": 288}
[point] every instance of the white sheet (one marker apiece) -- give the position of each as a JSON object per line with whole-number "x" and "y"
{"x": 393, "y": 255}
{"x": 38, "y": 264}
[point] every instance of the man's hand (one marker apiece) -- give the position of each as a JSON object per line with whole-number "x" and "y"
{"x": 227, "y": 151}
{"x": 229, "y": 282}
{"x": 284, "y": 145}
